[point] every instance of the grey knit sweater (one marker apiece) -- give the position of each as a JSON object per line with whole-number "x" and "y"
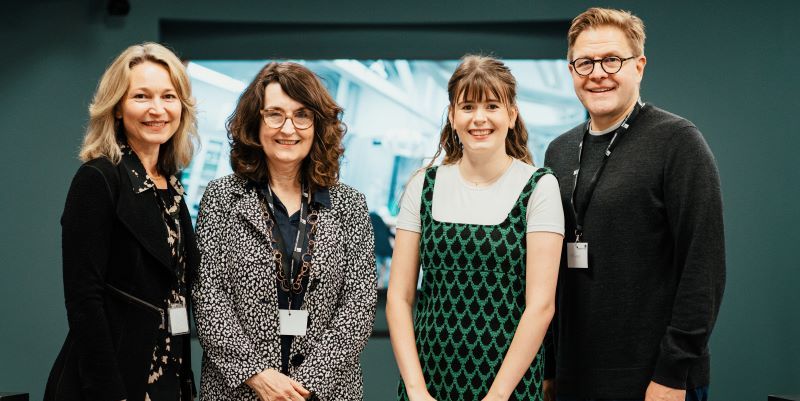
{"x": 645, "y": 308}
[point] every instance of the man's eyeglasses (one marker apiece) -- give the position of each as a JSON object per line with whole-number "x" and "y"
{"x": 611, "y": 65}
{"x": 301, "y": 119}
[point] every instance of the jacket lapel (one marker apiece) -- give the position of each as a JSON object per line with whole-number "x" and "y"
{"x": 327, "y": 229}
{"x": 139, "y": 212}
{"x": 250, "y": 208}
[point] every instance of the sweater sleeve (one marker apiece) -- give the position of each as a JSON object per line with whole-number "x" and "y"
{"x": 694, "y": 211}
{"x": 86, "y": 227}
{"x": 218, "y": 328}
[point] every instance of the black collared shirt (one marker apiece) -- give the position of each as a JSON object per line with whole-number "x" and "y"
{"x": 288, "y": 226}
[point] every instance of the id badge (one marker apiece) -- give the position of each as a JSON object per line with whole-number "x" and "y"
{"x": 293, "y": 322}
{"x": 578, "y": 255}
{"x": 178, "y": 319}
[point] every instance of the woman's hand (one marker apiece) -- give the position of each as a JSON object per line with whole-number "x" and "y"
{"x": 549, "y": 390}
{"x": 422, "y": 395}
{"x": 494, "y": 396}
{"x": 544, "y": 254}
{"x": 271, "y": 385}
{"x": 659, "y": 392}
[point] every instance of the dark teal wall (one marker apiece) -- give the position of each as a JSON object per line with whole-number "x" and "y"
{"x": 731, "y": 68}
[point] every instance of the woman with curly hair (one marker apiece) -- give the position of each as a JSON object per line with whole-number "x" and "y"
{"x": 286, "y": 290}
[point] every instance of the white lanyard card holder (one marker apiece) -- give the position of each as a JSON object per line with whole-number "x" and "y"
{"x": 578, "y": 255}
{"x": 178, "y": 319}
{"x": 293, "y": 322}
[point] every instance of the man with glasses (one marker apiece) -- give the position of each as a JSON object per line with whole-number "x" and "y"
{"x": 643, "y": 269}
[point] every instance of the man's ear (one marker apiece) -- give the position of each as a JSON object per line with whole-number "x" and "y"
{"x": 640, "y": 63}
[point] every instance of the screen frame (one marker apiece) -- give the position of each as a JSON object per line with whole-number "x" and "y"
{"x": 433, "y": 41}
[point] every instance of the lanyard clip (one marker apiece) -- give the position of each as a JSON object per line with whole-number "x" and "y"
{"x": 578, "y": 234}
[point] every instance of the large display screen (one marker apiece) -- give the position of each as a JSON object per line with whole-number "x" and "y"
{"x": 394, "y": 111}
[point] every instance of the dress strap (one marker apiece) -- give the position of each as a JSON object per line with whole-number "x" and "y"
{"x": 527, "y": 191}
{"x": 426, "y": 201}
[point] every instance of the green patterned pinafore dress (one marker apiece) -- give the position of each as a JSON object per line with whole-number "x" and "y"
{"x": 471, "y": 300}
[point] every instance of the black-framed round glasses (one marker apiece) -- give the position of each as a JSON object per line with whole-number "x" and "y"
{"x": 301, "y": 119}
{"x": 611, "y": 65}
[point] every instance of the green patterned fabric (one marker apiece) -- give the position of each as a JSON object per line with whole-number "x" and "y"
{"x": 471, "y": 300}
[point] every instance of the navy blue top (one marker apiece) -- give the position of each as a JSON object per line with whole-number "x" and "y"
{"x": 288, "y": 226}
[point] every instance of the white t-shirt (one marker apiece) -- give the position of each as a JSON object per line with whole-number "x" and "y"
{"x": 456, "y": 201}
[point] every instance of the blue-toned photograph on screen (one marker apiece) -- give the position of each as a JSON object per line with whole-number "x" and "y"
{"x": 394, "y": 111}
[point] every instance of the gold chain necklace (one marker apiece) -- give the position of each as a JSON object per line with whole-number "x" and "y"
{"x": 305, "y": 267}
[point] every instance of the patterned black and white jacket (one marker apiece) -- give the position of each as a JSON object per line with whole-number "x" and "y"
{"x": 236, "y": 307}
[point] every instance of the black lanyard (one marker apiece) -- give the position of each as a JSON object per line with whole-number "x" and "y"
{"x": 579, "y": 211}
{"x": 300, "y": 241}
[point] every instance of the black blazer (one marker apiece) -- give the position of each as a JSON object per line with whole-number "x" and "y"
{"x": 117, "y": 274}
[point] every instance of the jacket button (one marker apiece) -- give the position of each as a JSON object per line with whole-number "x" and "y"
{"x": 297, "y": 360}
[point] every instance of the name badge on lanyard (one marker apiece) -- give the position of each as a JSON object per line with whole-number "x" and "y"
{"x": 178, "y": 319}
{"x": 293, "y": 322}
{"x": 578, "y": 255}
{"x": 578, "y": 251}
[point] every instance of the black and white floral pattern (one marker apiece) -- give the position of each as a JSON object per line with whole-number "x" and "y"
{"x": 163, "y": 381}
{"x": 236, "y": 306}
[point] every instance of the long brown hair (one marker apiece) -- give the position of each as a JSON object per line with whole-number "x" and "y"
{"x": 474, "y": 79}
{"x": 321, "y": 167}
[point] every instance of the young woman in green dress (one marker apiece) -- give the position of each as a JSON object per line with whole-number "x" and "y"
{"x": 486, "y": 226}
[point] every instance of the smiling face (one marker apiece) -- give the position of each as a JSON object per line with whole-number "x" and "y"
{"x": 287, "y": 146}
{"x": 607, "y": 97}
{"x": 482, "y": 124}
{"x": 150, "y": 110}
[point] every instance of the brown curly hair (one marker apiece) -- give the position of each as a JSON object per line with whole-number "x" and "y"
{"x": 320, "y": 169}
{"x": 475, "y": 78}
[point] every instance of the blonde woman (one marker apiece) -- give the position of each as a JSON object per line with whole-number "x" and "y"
{"x": 128, "y": 245}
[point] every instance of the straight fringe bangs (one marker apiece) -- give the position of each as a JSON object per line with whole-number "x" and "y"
{"x": 476, "y": 79}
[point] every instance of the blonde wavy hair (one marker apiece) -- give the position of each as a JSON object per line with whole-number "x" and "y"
{"x": 105, "y": 134}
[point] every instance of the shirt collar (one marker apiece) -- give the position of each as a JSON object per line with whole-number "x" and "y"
{"x": 140, "y": 181}
{"x": 321, "y": 196}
